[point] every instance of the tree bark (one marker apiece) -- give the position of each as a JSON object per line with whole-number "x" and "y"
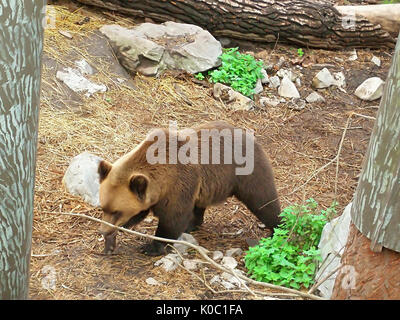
{"x": 302, "y": 22}
{"x": 376, "y": 205}
{"x": 372, "y": 251}
{"x": 21, "y": 38}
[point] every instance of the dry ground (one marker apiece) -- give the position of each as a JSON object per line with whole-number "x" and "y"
{"x": 111, "y": 124}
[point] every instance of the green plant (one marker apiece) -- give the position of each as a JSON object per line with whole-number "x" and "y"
{"x": 300, "y": 52}
{"x": 289, "y": 257}
{"x": 199, "y": 76}
{"x": 390, "y": 1}
{"x": 240, "y": 71}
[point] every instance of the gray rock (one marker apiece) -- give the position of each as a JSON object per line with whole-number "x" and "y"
{"x": 269, "y": 102}
{"x": 323, "y": 79}
{"x": 217, "y": 255}
{"x": 259, "y": 88}
{"x": 288, "y": 73}
{"x": 297, "y": 104}
{"x": 340, "y": 80}
{"x": 170, "y": 262}
{"x": 190, "y": 264}
{"x": 371, "y": 89}
{"x": 265, "y": 77}
{"x": 152, "y": 281}
{"x": 376, "y": 61}
{"x": 353, "y": 55}
{"x": 233, "y": 98}
{"x": 332, "y": 243}
{"x": 229, "y": 262}
{"x": 81, "y": 178}
{"x": 274, "y": 82}
{"x": 234, "y": 252}
{"x": 183, "y": 248}
{"x": 314, "y": 97}
{"x": 152, "y": 48}
{"x": 288, "y": 89}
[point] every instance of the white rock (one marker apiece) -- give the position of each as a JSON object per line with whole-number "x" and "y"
{"x": 259, "y": 88}
{"x": 217, "y": 255}
{"x": 74, "y": 79}
{"x": 183, "y": 248}
{"x": 288, "y": 89}
{"x": 269, "y": 102}
{"x": 353, "y": 55}
{"x": 170, "y": 262}
{"x": 235, "y": 100}
{"x": 314, "y": 97}
{"x": 297, "y": 104}
{"x": 233, "y": 252}
{"x": 82, "y": 179}
{"x": 265, "y": 77}
{"x": 274, "y": 82}
{"x": 190, "y": 264}
{"x": 371, "y": 89}
{"x": 84, "y": 67}
{"x": 376, "y": 60}
{"x": 144, "y": 48}
{"x": 332, "y": 243}
{"x": 288, "y": 73}
{"x": 323, "y": 79}
{"x": 153, "y": 282}
{"x": 229, "y": 262}
{"x": 65, "y": 34}
{"x": 340, "y": 80}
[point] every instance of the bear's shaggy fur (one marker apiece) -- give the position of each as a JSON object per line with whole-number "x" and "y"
{"x": 179, "y": 193}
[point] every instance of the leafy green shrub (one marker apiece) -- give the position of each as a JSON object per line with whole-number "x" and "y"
{"x": 239, "y": 71}
{"x": 289, "y": 257}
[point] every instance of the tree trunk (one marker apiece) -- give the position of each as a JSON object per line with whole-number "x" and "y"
{"x": 302, "y": 22}
{"x": 373, "y": 248}
{"x": 21, "y": 38}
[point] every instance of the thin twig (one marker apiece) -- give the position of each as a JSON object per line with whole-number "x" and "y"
{"x": 203, "y": 252}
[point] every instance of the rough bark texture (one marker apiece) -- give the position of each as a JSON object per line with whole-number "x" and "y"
{"x": 21, "y": 38}
{"x": 376, "y": 208}
{"x": 376, "y": 205}
{"x": 302, "y": 22}
{"x": 366, "y": 274}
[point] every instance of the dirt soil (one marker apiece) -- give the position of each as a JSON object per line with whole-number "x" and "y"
{"x": 299, "y": 143}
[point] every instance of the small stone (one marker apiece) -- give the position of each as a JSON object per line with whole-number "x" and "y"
{"x": 265, "y": 77}
{"x": 229, "y": 262}
{"x": 217, "y": 255}
{"x": 235, "y": 100}
{"x": 314, "y": 97}
{"x": 371, "y": 89}
{"x": 288, "y": 73}
{"x": 233, "y": 252}
{"x": 274, "y": 82}
{"x": 288, "y": 89}
{"x": 153, "y": 282}
{"x": 65, "y": 34}
{"x": 376, "y": 60}
{"x": 190, "y": 265}
{"x": 297, "y": 104}
{"x": 170, "y": 262}
{"x": 269, "y": 102}
{"x": 353, "y": 56}
{"x": 183, "y": 248}
{"x": 259, "y": 88}
{"x": 323, "y": 79}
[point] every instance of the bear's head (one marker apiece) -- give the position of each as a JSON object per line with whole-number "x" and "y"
{"x": 125, "y": 196}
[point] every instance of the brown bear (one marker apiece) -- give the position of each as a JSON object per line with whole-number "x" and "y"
{"x": 178, "y": 174}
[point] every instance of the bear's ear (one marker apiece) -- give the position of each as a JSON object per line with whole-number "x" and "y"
{"x": 104, "y": 169}
{"x": 138, "y": 185}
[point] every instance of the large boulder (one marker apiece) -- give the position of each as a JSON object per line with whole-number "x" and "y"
{"x": 81, "y": 178}
{"x": 333, "y": 241}
{"x": 152, "y": 48}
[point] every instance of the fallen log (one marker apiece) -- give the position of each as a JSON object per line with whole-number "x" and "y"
{"x": 302, "y": 22}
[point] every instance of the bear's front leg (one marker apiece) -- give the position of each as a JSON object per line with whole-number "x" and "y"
{"x": 110, "y": 243}
{"x": 169, "y": 227}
